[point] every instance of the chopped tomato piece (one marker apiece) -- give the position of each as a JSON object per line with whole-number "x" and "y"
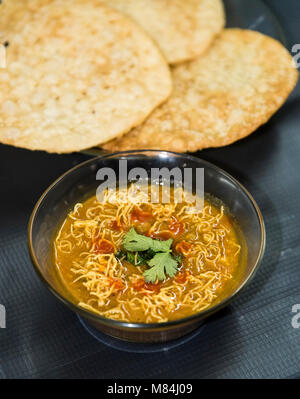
{"x": 176, "y": 227}
{"x": 118, "y": 285}
{"x": 162, "y": 235}
{"x": 140, "y": 285}
{"x": 104, "y": 246}
{"x": 152, "y": 287}
{"x": 181, "y": 277}
{"x": 138, "y": 215}
{"x": 117, "y": 226}
{"x": 183, "y": 247}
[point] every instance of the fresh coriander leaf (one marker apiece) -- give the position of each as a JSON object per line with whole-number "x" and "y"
{"x": 161, "y": 246}
{"x": 135, "y": 242}
{"x": 134, "y": 259}
{"x": 143, "y": 257}
{"x": 154, "y": 273}
{"x": 140, "y": 259}
{"x": 160, "y": 265}
{"x": 147, "y": 255}
{"x": 171, "y": 266}
{"x": 130, "y": 257}
{"x": 157, "y": 254}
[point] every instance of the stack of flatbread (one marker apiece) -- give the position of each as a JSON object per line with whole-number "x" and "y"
{"x": 134, "y": 74}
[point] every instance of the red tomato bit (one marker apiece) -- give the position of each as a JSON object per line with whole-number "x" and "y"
{"x": 117, "y": 226}
{"x": 140, "y": 285}
{"x": 138, "y": 215}
{"x": 183, "y": 247}
{"x": 181, "y": 277}
{"x": 104, "y": 246}
{"x": 118, "y": 285}
{"x": 176, "y": 227}
{"x": 162, "y": 235}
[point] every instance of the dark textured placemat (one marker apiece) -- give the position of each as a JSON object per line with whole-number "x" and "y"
{"x": 253, "y": 337}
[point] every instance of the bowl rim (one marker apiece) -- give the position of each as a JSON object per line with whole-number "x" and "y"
{"x": 146, "y": 326}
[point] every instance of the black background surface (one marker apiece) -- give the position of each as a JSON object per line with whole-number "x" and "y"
{"x": 252, "y": 338}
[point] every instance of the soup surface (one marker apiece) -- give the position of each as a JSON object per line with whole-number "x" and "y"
{"x": 148, "y": 262}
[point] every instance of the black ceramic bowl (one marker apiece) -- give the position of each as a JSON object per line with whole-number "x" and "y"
{"x": 80, "y": 182}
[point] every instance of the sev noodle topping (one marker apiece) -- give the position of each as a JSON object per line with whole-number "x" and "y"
{"x": 184, "y": 262}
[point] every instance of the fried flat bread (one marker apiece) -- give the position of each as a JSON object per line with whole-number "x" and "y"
{"x": 219, "y": 98}
{"x": 78, "y": 73}
{"x": 183, "y": 29}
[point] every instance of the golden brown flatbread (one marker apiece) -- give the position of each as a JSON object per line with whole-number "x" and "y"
{"x": 183, "y": 29}
{"x": 78, "y": 74}
{"x": 219, "y": 98}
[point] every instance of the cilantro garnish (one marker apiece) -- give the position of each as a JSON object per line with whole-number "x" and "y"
{"x": 161, "y": 264}
{"x": 142, "y": 250}
{"x": 135, "y": 242}
{"x": 136, "y": 258}
{"x": 161, "y": 246}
